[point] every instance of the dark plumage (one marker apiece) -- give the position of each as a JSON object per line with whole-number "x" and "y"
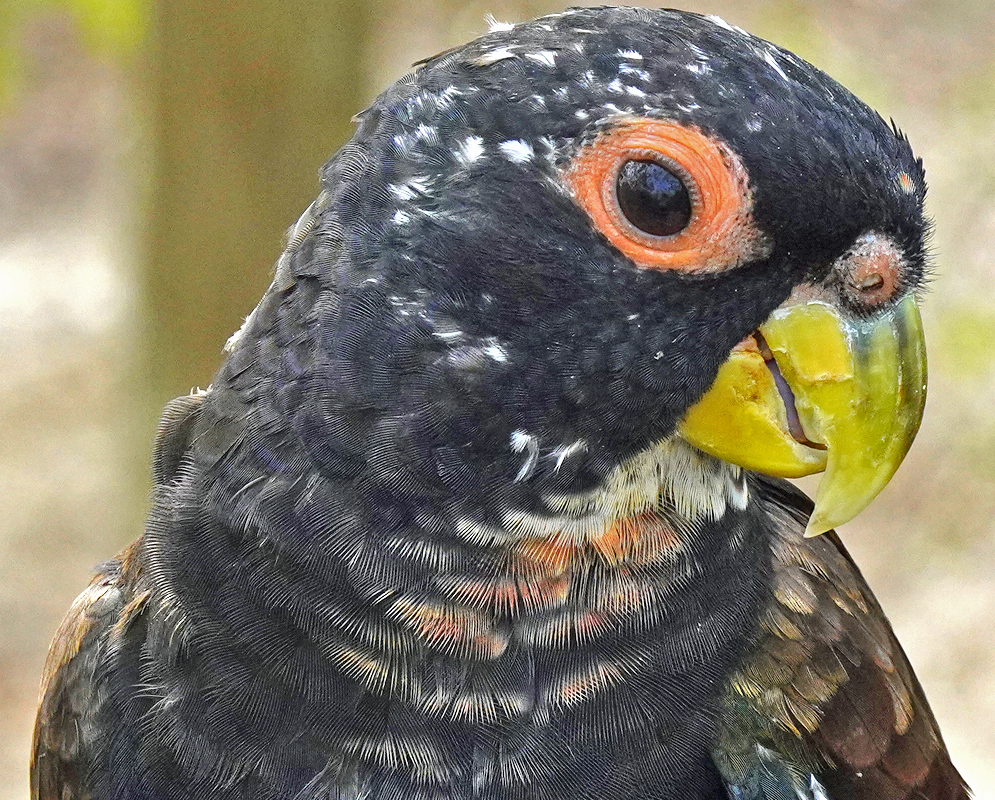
{"x": 430, "y": 534}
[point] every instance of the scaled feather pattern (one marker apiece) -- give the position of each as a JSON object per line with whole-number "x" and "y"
{"x": 432, "y": 533}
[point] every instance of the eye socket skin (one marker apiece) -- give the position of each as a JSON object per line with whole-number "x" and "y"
{"x": 653, "y": 198}
{"x": 719, "y": 233}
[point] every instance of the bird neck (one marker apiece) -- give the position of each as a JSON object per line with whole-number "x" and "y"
{"x": 633, "y": 601}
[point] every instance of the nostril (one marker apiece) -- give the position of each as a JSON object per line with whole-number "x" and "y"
{"x": 871, "y": 283}
{"x": 872, "y": 270}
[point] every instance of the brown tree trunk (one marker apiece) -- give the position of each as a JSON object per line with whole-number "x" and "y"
{"x": 249, "y": 98}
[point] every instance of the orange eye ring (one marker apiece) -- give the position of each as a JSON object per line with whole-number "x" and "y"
{"x": 720, "y": 233}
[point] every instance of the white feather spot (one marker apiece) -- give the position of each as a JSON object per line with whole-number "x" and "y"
{"x": 516, "y": 150}
{"x": 561, "y": 454}
{"x": 715, "y": 20}
{"x": 545, "y": 57}
{"x": 402, "y": 191}
{"x": 736, "y": 489}
{"x": 522, "y": 442}
{"x": 495, "y": 351}
{"x": 770, "y": 59}
{"x": 470, "y": 150}
{"x": 493, "y": 26}
{"x": 445, "y": 98}
{"x": 427, "y": 133}
{"x": 631, "y": 55}
{"x": 401, "y": 217}
{"x": 495, "y": 55}
{"x": 412, "y": 188}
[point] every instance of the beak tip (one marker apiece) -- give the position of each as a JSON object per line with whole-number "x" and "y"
{"x": 816, "y": 527}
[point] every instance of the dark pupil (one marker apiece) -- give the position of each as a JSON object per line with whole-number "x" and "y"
{"x": 653, "y": 198}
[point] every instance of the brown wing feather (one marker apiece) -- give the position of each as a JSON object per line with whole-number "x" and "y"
{"x": 66, "y": 731}
{"x": 827, "y": 683}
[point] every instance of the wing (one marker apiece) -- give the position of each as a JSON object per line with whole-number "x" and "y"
{"x": 66, "y": 730}
{"x": 69, "y": 731}
{"x": 826, "y": 706}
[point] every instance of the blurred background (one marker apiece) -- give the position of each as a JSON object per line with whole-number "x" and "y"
{"x": 152, "y": 152}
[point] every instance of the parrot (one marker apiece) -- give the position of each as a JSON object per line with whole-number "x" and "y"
{"x": 490, "y": 498}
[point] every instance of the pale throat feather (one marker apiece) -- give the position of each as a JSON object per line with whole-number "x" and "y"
{"x": 688, "y": 486}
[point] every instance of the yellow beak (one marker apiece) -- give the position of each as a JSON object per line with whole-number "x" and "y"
{"x": 815, "y": 391}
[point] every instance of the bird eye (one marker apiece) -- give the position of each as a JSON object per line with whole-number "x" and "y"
{"x": 653, "y": 198}
{"x": 667, "y": 196}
